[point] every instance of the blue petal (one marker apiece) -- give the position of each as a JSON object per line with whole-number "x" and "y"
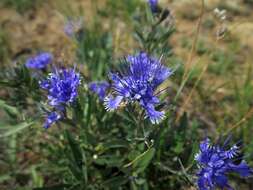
{"x": 99, "y": 88}
{"x": 205, "y": 180}
{"x": 232, "y": 152}
{"x": 243, "y": 169}
{"x": 121, "y": 85}
{"x": 51, "y": 119}
{"x": 162, "y": 74}
{"x": 201, "y": 183}
{"x": 112, "y": 103}
{"x": 154, "y": 116}
{"x": 44, "y": 84}
{"x": 205, "y": 145}
{"x": 39, "y": 61}
{"x": 221, "y": 181}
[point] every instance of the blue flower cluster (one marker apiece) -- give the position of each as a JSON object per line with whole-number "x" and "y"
{"x": 99, "y": 88}
{"x": 40, "y": 61}
{"x": 215, "y": 162}
{"x": 138, "y": 84}
{"x": 62, "y": 87}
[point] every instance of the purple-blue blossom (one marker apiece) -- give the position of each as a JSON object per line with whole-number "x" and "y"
{"x": 215, "y": 162}
{"x": 100, "y": 88}
{"x": 153, "y": 5}
{"x": 39, "y": 61}
{"x": 138, "y": 84}
{"x": 62, "y": 88}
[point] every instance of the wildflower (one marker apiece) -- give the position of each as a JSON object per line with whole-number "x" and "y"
{"x": 52, "y": 118}
{"x": 62, "y": 86}
{"x": 99, "y": 88}
{"x": 40, "y": 61}
{"x": 215, "y": 162}
{"x": 138, "y": 84}
{"x": 72, "y": 26}
{"x": 153, "y": 5}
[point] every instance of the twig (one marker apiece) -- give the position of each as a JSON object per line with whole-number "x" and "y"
{"x": 187, "y": 71}
{"x": 195, "y": 40}
{"x": 191, "y": 92}
{"x": 238, "y": 124}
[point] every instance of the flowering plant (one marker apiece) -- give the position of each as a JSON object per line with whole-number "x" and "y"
{"x": 131, "y": 113}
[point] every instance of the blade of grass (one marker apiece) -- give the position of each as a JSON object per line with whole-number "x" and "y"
{"x": 15, "y": 129}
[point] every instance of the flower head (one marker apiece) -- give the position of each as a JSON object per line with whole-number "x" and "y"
{"x": 142, "y": 77}
{"x": 99, "y": 88}
{"x": 62, "y": 86}
{"x": 40, "y": 61}
{"x": 215, "y": 162}
{"x": 153, "y": 5}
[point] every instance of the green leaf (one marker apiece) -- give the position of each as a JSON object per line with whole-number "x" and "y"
{"x": 15, "y": 129}
{"x": 76, "y": 158}
{"x": 4, "y": 177}
{"x": 12, "y": 111}
{"x": 110, "y": 160}
{"x": 76, "y": 151}
{"x": 183, "y": 122}
{"x": 141, "y": 162}
{"x": 116, "y": 143}
{"x": 115, "y": 182}
{"x": 56, "y": 187}
{"x": 179, "y": 148}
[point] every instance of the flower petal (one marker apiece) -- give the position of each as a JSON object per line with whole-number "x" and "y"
{"x": 111, "y": 103}
{"x": 51, "y": 119}
{"x": 154, "y": 116}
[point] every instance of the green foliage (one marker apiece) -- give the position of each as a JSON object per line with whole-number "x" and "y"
{"x": 124, "y": 8}
{"x": 152, "y": 32}
{"x": 11, "y": 130}
{"x": 21, "y": 84}
{"x": 95, "y": 51}
{"x": 223, "y": 62}
{"x": 21, "y": 5}
{"x": 4, "y": 47}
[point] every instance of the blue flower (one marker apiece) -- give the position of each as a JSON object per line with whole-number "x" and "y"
{"x": 215, "y": 162}
{"x": 52, "y": 118}
{"x": 40, "y": 61}
{"x": 153, "y": 5}
{"x": 99, "y": 88}
{"x": 62, "y": 87}
{"x": 72, "y": 26}
{"x": 139, "y": 83}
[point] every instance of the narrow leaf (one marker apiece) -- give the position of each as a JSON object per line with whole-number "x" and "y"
{"x": 15, "y": 129}
{"x": 141, "y": 162}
